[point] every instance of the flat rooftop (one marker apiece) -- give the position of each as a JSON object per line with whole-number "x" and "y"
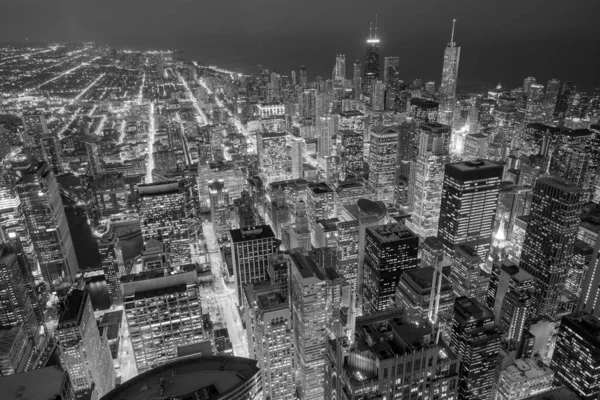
{"x": 251, "y": 233}
{"x": 208, "y": 377}
{"x": 390, "y": 232}
{"x": 48, "y": 384}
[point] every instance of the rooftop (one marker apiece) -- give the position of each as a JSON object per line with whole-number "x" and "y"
{"x": 48, "y": 384}
{"x": 390, "y": 232}
{"x": 251, "y": 233}
{"x": 73, "y": 306}
{"x": 525, "y": 369}
{"x": 207, "y": 377}
{"x": 555, "y": 394}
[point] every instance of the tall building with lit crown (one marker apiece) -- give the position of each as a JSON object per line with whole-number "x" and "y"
{"x": 551, "y": 233}
{"x": 371, "y": 61}
{"x": 449, "y": 80}
{"x": 469, "y": 200}
{"x": 251, "y": 249}
{"x": 576, "y": 357}
{"x": 389, "y": 251}
{"x": 382, "y": 160}
{"x": 163, "y": 313}
{"x": 84, "y": 354}
{"x": 427, "y": 177}
{"x": 167, "y": 214}
{"x": 47, "y": 224}
{"x": 270, "y": 338}
{"x": 475, "y": 339}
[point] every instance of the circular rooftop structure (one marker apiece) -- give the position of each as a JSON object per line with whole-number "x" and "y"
{"x": 372, "y": 208}
{"x": 194, "y": 377}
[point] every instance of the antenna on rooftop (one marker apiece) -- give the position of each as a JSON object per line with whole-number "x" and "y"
{"x": 370, "y": 30}
{"x": 376, "y": 24}
{"x": 453, "y": 23}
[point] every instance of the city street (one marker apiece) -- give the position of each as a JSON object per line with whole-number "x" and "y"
{"x": 226, "y": 296}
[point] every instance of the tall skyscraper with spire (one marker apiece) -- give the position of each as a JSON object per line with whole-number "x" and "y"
{"x": 372, "y": 59}
{"x": 449, "y": 78}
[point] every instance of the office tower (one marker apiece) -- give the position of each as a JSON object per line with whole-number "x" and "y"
{"x": 15, "y": 350}
{"x": 522, "y": 379}
{"x": 313, "y": 306}
{"x": 576, "y": 359}
{"x": 357, "y": 79}
{"x": 475, "y": 339}
{"x": 270, "y": 338}
{"x": 326, "y": 135}
{"x": 339, "y": 71}
{"x": 320, "y": 204}
{"x": 112, "y": 262}
{"x": 578, "y": 267}
{"x": 50, "y": 150}
{"x": 575, "y": 164}
{"x": 44, "y": 383}
{"x": 378, "y": 96}
{"x": 534, "y": 107}
{"x": 427, "y": 176}
{"x": 389, "y": 65}
{"x": 415, "y": 290}
{"x": 467, "y": 277}
{"x": 303, "y": 77}
{"x": 274, "y": 160}
{"x": 394, "y": 358}
{"x": 300, "y": 236}
{"x": 251, "y": 250}
{"x": 514, "y": 306}
{"x": 296, "y": 144}
{"x": 422, "y": 110}
{"x": 196, "y": 377}
{"x": 564, "y": 99}
{"x": 551, "y": 96}
{"x": 84, "y": 354}
{"x": 163, "y": 313}
{"x": 353, "y": 221}
{"x": 382, "y": 160}
{"x": 220, "y": 209}
{"x": 468, "y": 207}
{"x": 293, "y": 78}
{"x": 551, "y": 232}
{"x": 245, "y": 210}
{"x": 449, "y": 80}
{"x": 389, "y": 251}
{"x": 167, "y": 213}
{"x": 371, "y": 60}
{"x": 47, "y": 224}
{"x": 527, "y": 83}
{"x": 350, "y": 150}
{"x": 430, "y": 87}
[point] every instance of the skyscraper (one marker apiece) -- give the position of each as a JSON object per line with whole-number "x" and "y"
{"x": 303, "y": 77}
{"x": 576, "y": 358}
{"x": 390, "y": 64}
{"x": 47, "y": 224}
{"x": 339, "y": 71}
{"x": 163, "y": 313}
{"x": 475, "y": 339}
{"x": 427, "y": 176}
{"x": 449, "y": 80}
{"x": 270, "y": 340}
{"x": 468, "y": 206}
{"x": 251, "y": 249}
{"x": 551, "y": 232}
{"x": 320, "y": 204}
{"x": 382, "y": 160}
{"x": 274, "y": 159}
{"x": 371, "y": 60}
{"x": 167, "y": 214}
{"x": 357, "y": 79}
{"x": 84, "y": 354}
{"x": 378, "y": 96}
{"x": 389, "y": 250}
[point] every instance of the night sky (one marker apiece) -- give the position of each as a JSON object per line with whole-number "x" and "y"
{"x": 502, "y": 41}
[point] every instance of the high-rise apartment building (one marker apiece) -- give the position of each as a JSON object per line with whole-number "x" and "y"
{"x": 475, "y": 339}
{"x": 382, "y": 160}
{"x": 339, "y": 70}
{"x": 163, "y": 313}
{"x": 551, "y": 233}
{"x": 576, "y": 357}
{"x": 390, "y": 65}
{"x": 389, "y": 251}
{"x": 469, "y": 202}
{"x": 84, "y": 354}
{"x": 270, "y": 338}
{"x": 351, "y": 151}
{"x": 378, "y": 96}
{"x": 251, "y": 249}
{"x": 449, "y": 80}
{"x": 427, "y": 176}
{"x": 47, "y": 224}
